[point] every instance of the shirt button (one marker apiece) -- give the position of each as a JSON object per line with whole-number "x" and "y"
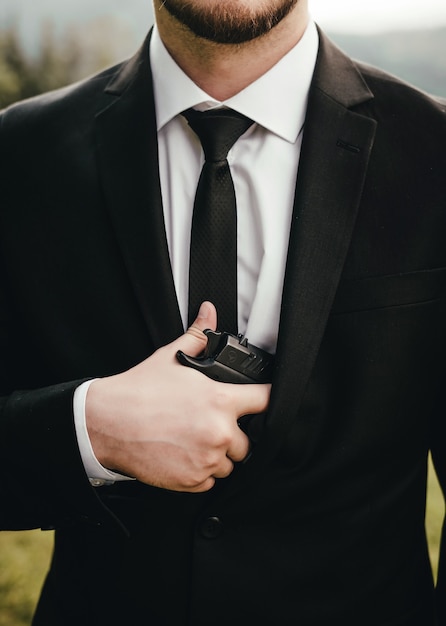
{"x": 97, "y": 482}
{"x": 211, "y": 527}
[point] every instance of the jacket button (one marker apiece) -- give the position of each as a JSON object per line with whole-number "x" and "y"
{"x": 211, "y": 527}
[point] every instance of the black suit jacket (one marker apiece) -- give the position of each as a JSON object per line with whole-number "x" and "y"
{"x": 325, "y": 524}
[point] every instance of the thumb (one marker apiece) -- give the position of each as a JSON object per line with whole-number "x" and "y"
{"x": 194, "y": 340}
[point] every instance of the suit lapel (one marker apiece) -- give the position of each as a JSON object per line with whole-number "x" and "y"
{"x": 126, "y": 141}
{"x": 335, "y": 152}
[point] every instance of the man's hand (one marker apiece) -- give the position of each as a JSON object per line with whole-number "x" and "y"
{"x": 168, "y": 425}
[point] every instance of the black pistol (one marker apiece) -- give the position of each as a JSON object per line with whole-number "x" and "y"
{"x": 231, "y": 359}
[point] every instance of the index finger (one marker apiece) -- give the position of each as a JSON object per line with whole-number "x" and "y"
{"x": 251, "y": 398}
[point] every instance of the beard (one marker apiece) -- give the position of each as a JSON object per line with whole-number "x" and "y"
{"x": 228, "y": 21}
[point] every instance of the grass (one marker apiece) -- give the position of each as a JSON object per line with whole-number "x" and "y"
{"x": 24, "y": 560}
{"x": 25, "y": 557}
{"x": 434, "y": 516}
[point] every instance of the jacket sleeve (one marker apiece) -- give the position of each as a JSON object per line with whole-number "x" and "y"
{"x": 43, "y": 483}
{"x": 43, "y": 480}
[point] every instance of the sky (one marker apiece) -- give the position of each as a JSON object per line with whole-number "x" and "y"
{"x": 378, "y": 15}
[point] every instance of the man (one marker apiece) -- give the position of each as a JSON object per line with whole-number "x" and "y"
{"x": 316, "y": 515}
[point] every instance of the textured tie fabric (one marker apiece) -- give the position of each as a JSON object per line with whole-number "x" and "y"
{"x": 213, "y": 251}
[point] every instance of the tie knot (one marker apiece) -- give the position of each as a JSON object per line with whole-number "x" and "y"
{"x": 218, "y": 130}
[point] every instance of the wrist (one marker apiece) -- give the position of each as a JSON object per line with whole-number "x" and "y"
{"x": 98, "y": 419}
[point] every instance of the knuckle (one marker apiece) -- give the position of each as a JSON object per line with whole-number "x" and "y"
{"x": 220, "y": 437}
{"x": 204, "y": 486}
{"x": 209, "y": 460}
{"x": 229, "y": 467}
{"x": 193, "y": 482}
{"x": 226, "y": 437}
{"x": 197, "y": 333}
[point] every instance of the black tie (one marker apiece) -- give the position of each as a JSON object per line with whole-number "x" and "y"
{"x": 213, "y": 251}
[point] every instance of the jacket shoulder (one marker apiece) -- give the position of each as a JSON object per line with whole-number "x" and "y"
{"x": 79, "y": 99}
{"x": 390, "y": 89}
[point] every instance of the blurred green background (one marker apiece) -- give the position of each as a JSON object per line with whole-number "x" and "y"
{"x": 55, "y": 54}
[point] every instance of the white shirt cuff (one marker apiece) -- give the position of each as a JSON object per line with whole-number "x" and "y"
{"x": 97, "y": 474}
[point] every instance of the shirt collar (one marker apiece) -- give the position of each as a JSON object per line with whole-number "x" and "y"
{"x": 276, "y": 101}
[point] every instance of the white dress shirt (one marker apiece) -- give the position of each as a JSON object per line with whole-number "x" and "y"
{"x": 263, "y": 163}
